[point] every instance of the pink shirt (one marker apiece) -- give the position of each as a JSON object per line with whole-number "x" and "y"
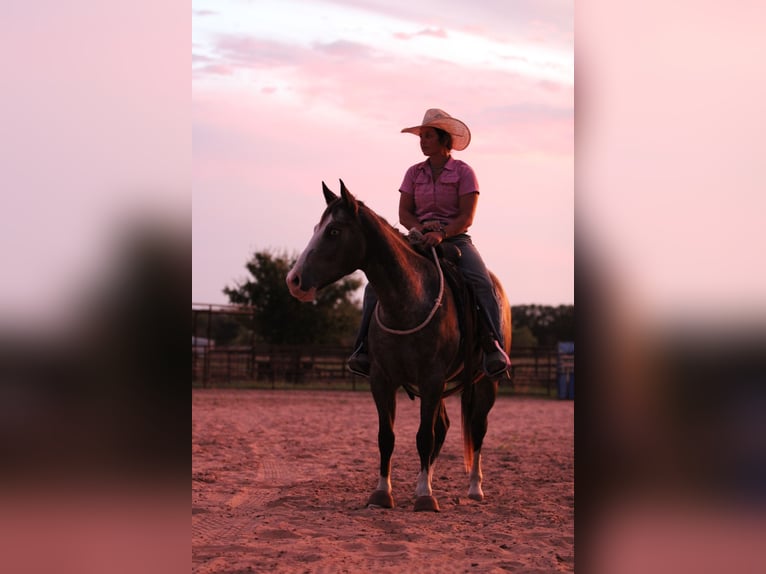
{"x": 439, "y": 200}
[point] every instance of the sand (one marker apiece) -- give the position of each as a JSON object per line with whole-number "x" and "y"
{"x": 280, "y": 481}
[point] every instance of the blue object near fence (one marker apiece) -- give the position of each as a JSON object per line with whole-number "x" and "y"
{"x": 565, "y": 370}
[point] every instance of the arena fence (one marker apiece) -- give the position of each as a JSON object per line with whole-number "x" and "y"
{"x": 535, "y": 370}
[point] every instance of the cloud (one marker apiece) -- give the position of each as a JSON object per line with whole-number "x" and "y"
{"x": 434, "y": 33}
{"x": 344, "y": 48}
{"x": 233, "y": 53}
{"x": 215, "y": 70}
{"x": 370, "y": 80}
{"x": 205, "y": 66}
{"x": 250, "y": 51}
{"x": 200, "y": 59}
{"x": 499, "y": 20}
{"x": 306, "y": 104}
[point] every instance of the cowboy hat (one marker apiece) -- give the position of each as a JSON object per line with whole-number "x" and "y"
{"x": 436, "y": 118}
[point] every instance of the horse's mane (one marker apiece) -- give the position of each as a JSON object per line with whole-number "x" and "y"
{"x": 378, "y": 224}
{"x": 372, "y": 218}
{"x": 383, "y": 227}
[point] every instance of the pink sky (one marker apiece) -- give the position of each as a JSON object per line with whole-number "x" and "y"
{"x": 289, "y": 94}
{"x": 670, "y": 170}
{"x": 670, "y": 156}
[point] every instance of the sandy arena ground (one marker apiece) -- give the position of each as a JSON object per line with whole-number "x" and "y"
{"x": 280, "y": 481}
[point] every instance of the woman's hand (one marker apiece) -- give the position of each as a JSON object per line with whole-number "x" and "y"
{"x": 427, "y": 238}
{"x": 434, "y": 238}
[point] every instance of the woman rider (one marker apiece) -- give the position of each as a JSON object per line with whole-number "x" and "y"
{"x": 438, "y": 198}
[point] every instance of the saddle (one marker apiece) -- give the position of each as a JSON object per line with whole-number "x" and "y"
{"x": 466, "y": 362}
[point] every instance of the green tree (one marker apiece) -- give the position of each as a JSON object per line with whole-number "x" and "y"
{"x": 279, "y": 318}
{"x": 547, "y": 324}
{"x": 523, "y": 337}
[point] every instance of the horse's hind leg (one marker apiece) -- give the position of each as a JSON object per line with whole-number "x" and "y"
{"x": 430, "y": 438}
{"x": 485, "y": 393}
{"x": 385, "y": 401}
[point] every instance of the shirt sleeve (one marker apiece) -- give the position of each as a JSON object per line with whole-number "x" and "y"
{"x": 468, "y": 181}
{"x": 408, "y": 183}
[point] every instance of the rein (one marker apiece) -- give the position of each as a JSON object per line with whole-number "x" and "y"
{"x": 427, "y": 320}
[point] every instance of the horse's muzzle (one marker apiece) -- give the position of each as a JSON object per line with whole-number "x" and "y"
{"x": 294, "y": 285}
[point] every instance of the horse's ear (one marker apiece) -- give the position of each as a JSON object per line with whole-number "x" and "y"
{"x": 349, "y": 199}
{"x": 329, "y": 196}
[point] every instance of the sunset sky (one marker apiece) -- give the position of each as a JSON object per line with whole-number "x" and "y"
{"x": 670, "y": 173}
{"x": 287, "y": 94}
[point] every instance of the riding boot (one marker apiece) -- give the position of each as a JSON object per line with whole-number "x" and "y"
{"x": 496, "y": 360}
{"x": 359, "y": 361}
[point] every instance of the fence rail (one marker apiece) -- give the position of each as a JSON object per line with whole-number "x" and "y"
{"x": 534, "y": 370}
{"x": 272, "y": 363}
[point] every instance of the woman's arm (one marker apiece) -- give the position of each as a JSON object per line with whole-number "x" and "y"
{"x": 464, "y": 219}
{"x": 407, "y": 212}
{"x": 461, "y": 223}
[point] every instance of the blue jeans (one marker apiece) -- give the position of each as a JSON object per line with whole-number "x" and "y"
{"x": 474, "y": 270}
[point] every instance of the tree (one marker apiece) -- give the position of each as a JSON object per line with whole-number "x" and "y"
{"x": 523, "y": 337}
{"x": 547, "y": 324}
{"x": 279, "y": 318}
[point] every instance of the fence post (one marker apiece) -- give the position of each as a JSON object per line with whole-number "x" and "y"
{"x": 565, "y": 370}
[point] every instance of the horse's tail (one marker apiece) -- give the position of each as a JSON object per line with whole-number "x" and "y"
{"x": 467, "y": 398}
{"x": 466, "y": 412}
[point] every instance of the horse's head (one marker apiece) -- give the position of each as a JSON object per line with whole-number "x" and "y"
{"x": 335, "y": 250}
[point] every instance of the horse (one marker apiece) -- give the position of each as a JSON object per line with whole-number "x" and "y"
{"x": 414, "y": 340}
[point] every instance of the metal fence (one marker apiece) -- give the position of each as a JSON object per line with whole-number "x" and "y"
{"x": 271, "y": 363}
{"x": 534, "y": 370}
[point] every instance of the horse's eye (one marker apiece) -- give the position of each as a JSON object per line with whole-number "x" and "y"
{"x": 334, "y": 232}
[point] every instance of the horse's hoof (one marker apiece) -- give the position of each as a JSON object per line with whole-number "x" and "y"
{"x": 476, "y": 496}
{"x": 381, "y": 498}
{"x": 427, "y": 503}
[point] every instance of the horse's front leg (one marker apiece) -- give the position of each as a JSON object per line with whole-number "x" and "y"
{"x": 429, "y": 443}
{"x": 385, "y": 401}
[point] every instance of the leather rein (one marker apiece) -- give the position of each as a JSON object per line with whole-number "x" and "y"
{"x": 411, "y": 391}
{"x": 427, "y": 320}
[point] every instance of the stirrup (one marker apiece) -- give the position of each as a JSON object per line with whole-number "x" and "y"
{"x": 359, "y": 362}
{"x": 496, "y": 362}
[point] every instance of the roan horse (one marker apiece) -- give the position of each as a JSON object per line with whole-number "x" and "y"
{"x": 414, "y": 342}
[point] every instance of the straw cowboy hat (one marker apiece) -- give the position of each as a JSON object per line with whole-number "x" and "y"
{"x": 435, "y": 118}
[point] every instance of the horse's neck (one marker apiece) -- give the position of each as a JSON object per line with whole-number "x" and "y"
{"x": 403, "y": 280}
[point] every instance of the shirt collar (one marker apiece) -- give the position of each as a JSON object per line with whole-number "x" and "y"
{"x": 449, "y": 166}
